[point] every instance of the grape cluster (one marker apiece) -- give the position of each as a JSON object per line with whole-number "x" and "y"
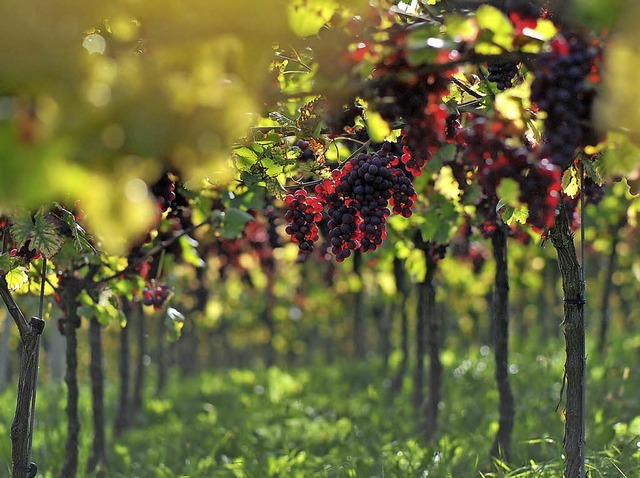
{"x": 165, "y": 191}
{"x": 342, "y": 118}
{"x": 367, "y": 181}
{"x": 451, "y": 127}
{"x": 593, "y": 192}
{"x": 306, "y": 153}
{"x": 358, "y": 198}
{"x": 155, "y": 295}
{"x": 502, "y": 73}
{"x": 303, "y": 214}
{"x": 272, "y": 228}
{"x": 401, "y": 93}
{"x": 561, "y": 89}
{"x": 173, "y": 213}
{"x": 403, "y": 195}
{"x": 343, "y": 228}
{"x": 539, "y": 181}
{"x": 408, "y": 162}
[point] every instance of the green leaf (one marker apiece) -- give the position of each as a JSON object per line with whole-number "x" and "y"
{"x": 513, "y": 103}
{"x": 271, "y": 168}
{"x": 104, "y": 314}
{"x": 45, "y": 237}
{"x": 253, "y": 198}
{"x": 189, "y": 252}
{"x": 5, "y": 263}
{"x": 81, "y": 238}
{"x": 246, "y": 158}
{"x": 509, "y": 192}
{"x": 424, "y": 44}
{"x": 520, "y": 215}
{"x": 22, "y": 226}
{"x": 446, "y": 153}
{"x": 511, "y": 215}
{"x": 234, "y": 222}
{"x": 544, "y": 30}
{"x": 460, "y": 28}
{"x": 491, "y": 19}
{"x": 438, "y": 225}
{"x": 17, "y": 277}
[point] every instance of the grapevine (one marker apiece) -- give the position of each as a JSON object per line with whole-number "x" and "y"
{"x": 358, "y": 199}
{"x": 562, "y": 90}
{"x": 485, "y": 147}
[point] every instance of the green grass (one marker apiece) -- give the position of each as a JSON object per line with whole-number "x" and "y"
{"x": 339, "y": 421}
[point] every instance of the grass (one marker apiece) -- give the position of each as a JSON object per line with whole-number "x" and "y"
{"x": 339, "y": 420}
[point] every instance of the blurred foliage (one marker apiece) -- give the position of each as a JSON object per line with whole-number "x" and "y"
{"x": 100, "y": 98}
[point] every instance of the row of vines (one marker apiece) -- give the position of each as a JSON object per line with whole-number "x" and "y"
{"x": 374, "y": 150}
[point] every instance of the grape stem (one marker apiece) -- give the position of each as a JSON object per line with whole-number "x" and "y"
{"x": 153, "y": 251}
{"x": 318, "y": 181}
{"x": 467, "y": 89}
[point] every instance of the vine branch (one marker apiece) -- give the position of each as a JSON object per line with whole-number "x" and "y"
{"x": 16, "y": 313}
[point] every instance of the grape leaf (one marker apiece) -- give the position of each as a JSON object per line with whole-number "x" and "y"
{"x": 491, "y": 19}
{"x": 460, "y": 28}
{"x": 81, "y": 238}
{"x": 189, "y": 252}
{"x": 234, "y": 222}
{"x": 45, "y": 237}
{"x": 5, "y": 263}
{"x": 377, "y": 127}
{"x": 570, "y": 183}
{"x": 22, "y": 227}
{"x": 511, "y": 215}
{"x": 17, "y": 277}
{"x": 509, "y": 192}
{"x": 307, "y": 17}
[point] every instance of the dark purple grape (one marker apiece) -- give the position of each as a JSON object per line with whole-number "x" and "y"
{"x": 502, "y": 73}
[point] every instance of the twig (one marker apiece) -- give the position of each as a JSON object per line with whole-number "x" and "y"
{"x": 152, "y": 252}
{"x": 467, "y": 89}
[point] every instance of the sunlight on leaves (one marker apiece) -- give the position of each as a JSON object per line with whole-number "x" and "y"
{"x": 17, "y": 277}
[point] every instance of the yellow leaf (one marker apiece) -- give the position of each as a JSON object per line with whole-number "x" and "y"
{"x": 17, "y": 277}
{"x": 491, "y": 19}
{"x": 377, "y": 127}
{"x": 307, "y": 17}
